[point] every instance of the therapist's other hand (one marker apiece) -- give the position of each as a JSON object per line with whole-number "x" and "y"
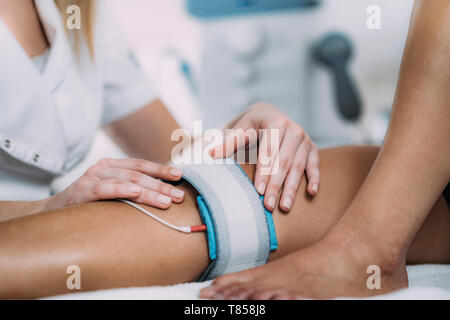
{"x": 297, "y": 154}
{"x": 133, "y": 179}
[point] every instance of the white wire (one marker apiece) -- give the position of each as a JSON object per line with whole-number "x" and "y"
{"x": 184, "y": 229}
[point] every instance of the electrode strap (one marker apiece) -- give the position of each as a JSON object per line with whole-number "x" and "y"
{"x": 242, "y": 233}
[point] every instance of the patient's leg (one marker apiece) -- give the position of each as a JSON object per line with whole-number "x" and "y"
{"x": 116, "y": 245}
{"x": 343, "y": 170}
{"x": 321, "y": 272}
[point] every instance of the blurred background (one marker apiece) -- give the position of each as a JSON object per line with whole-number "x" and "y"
{"x": 317, "y": 60}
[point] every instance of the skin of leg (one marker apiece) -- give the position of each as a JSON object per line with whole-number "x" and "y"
{"x": 344, "y": 170}
{"x": 315, "y": 217}
{"x": 408, "y": 177}
{"x": 117, "y": 246}
{"x": 113, "y": 244}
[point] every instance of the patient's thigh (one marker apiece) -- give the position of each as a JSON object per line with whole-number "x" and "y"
{"x": 342, "y": 172}
{"x": 113, "y": 244}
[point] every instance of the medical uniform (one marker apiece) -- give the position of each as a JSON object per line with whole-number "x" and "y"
{"x": 49, "y": 117}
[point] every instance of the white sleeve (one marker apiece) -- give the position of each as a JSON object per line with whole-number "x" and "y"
{"x": 126, "y": 88}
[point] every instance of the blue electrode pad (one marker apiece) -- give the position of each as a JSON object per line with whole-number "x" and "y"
{"x": 211, "y": 232}
{"x": 240, "y": 231}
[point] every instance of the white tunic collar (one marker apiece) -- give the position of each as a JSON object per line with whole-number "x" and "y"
{"x": 60, "y": 49}
{"x": 27, "y": 95}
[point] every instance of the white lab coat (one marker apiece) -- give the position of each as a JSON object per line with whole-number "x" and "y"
{"x": 48, "y": 120}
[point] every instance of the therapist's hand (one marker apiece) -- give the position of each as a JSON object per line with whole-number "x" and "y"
{"x": 297, "y": 155}
{"x": 133, "y": 179}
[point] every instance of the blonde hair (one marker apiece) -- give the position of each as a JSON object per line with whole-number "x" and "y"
{"x": 87, "y": 8}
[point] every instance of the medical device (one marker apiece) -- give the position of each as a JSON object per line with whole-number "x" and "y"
{"x": 335, "y": 51}
{"x": 217, "y": 8}
{"x": 240, "y": 231}
{"x": 263, "y": 51}
{"x": 252, "y": 51}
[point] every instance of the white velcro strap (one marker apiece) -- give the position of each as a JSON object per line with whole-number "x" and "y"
{"x": 241, "y": 229}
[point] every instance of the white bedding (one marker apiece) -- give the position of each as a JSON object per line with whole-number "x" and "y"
{"x": 426, "y": 282}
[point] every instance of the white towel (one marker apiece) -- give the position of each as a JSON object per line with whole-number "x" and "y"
{"x": 428, "y": 281}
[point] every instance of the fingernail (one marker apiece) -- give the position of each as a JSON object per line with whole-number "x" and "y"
{"x": 176, "y": 172}
{"x": 287, "y": 203}
{"x": 163, "y": 199}
{"x": 177, "y": 193}
{"x": 135, "y": 189}
{"x": 271, "y": 202}
{"x": 315, "y": 188}
{"x": 261, "y": 188}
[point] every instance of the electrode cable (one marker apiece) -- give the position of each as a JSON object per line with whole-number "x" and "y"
{"x": 184, "y": 229}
